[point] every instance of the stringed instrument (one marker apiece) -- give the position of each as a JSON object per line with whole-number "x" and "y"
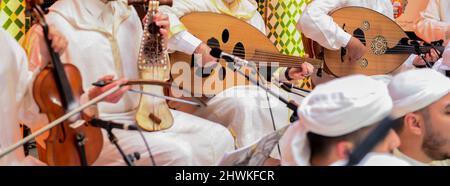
{"x": 387, "y": 44}
{"x": 57, "y": 90}
{"x": 153, "y": 64}
{"x": 233, "y": 36}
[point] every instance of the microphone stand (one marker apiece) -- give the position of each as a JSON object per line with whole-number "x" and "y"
{"x": 108, "y": 126}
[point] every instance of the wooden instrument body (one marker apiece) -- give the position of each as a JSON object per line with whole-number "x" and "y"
{"x": 61, "y": 144}
{"x": 153, "y": 64}
{"x": 233, "y": 36}
{"x": 380, "y": 34}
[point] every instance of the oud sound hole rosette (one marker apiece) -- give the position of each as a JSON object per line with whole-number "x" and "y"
{"x": 379, "y": 45}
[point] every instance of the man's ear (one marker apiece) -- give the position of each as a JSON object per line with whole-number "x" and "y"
{"x": 413, "y": 124}
{"x": 343, "y": 149}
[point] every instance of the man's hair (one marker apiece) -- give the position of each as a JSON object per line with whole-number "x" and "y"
{"x": 321, "y": 145}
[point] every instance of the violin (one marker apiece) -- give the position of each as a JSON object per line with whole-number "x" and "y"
{"x": 57, "y": 90}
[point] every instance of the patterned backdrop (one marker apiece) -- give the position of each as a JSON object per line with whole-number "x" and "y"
{"x": 12, "y": 18}
{"x": 281, "y": 18}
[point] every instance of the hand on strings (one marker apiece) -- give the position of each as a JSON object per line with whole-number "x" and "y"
{"x": 31, "y": 3}
{"x": 305, "y": 71}
{"x": 204, "y": 50}
{"x": 59, "y": 41}
{"x": 355, "y": 50}
{"x": 162, "y": 20}
{"x": 113, "y": 98}
{"x": 430, "y": 57}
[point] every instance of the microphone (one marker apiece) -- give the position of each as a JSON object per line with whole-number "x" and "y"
{"x": 111, "y": 125}
{"x": 218, "y": 53}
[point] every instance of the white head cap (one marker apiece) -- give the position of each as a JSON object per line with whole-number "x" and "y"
{"x": 337, "y": 108}
{"x": 416, "y": 89}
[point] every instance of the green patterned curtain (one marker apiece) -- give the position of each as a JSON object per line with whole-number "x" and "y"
{"x": 281, "y": 18}
{"x": 12, "y": 18}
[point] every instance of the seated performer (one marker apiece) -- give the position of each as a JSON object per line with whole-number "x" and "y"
{"x": 104, "y": 41}
{"x": 16, "y": 81}
{"x": 434, "y": 22}
{"x": 422, "y": 106}
{"x": 334, "y": 119}
{"x": 316, "y": 24}
{"x": 244, "y": 109}
{"x": 434, "y": 25}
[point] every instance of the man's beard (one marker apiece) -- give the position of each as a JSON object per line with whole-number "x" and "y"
{"x": 434, "y": 143}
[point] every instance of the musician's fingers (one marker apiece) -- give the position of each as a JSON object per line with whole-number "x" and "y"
{"x": 38, "y": 30}
{"x": 163, "y": 24}
{"x": 106, "y": 78}
{"x": 114, "y": 98}
{"x": 160, "y": 17}
{"x": 59, "y": 44}
{"x": 164, "y": 32}
{"x": 434, "y": 55}
{"x": 428, "y": 57}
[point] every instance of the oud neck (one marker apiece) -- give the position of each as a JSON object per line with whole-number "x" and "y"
{"x": 266, "y": 58}
{"x": 412, "y": 49}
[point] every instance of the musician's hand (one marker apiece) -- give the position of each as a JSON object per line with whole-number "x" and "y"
{"x": 162, "y": 20}
{"x": 204, "y": 50}
{"x": 432, "y": 56}
{"x": 301, "y": 73}
{"x": 30, "y": 3}
{"x": 447, "y": 34}
{"x": 355, "y": 50}
{"x": 59, "y": 41}
{"x": 113, "y": 98}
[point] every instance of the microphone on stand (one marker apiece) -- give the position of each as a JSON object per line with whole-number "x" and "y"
{"x": 111, "y": 125}
{"x": 218, "y": 53}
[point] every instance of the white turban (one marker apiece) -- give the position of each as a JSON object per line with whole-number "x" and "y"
{"x": 416, "y": 89}
{"x": 337, "y": 108}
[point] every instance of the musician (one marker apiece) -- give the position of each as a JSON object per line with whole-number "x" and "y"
{"x": 15, "y": 98}
{"x": 244, "y": 110}
{"x": 104, "y": 40}
{"x": 434, "y": 22}
{"x": 334, "y": 119}
{"x": 433, "y": 25}
{"x": 422, "y": 106}
{"x": 315, "y": 23}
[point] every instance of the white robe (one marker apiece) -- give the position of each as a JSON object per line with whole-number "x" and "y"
{"x": 97, "y": 45}
{"x": 434, "y": 21}
{"x": 315, "y": 23}
{"x": 244, "y": 109}
{"x": 377, "y": 159}
{"x": 15, "y": 79}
